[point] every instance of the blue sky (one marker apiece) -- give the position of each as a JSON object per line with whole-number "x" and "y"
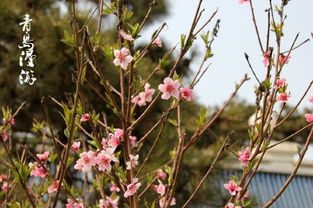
{"x": 236, "y": 36}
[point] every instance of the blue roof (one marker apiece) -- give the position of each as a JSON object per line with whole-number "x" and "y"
{"x": 264, "y": 186}
{"x": 299, "y": 193}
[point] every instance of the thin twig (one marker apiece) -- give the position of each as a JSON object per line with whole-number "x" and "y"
{"x": 294, "y": 172}
{"x": 217, "y": 157}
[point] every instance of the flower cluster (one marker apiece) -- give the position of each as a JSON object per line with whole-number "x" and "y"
{"x": 280, "y": 83}
{"x": 245, "y": 156}
{"x": 74, "y": 203}
{"x": 160, "y": 188}
{"x": 171, "y": 88}
{"x": 109, "y": 202}
{"x": 37, "y": 169}
{"x": 3, "y": 180}
{"x": 143, "y": 97}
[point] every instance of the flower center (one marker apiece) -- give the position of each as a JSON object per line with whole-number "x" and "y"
{"x": 121, "y": 57}
{"x": 169, "y": 88}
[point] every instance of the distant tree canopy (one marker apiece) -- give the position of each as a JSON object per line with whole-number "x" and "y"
{"x": 55, "y": 62}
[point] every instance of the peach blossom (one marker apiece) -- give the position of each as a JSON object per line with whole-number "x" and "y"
{"x": 186, "y": 93}
{"x": 283, "y": 97}
{"x": 132, "y": 188}
{"x": 232, "y": 187}
{"x": 122, "y": 58}
{"x": 85, "y": 117}
{"x": 43, "y": 157}
{"x": 126, "y": 36}
{"x": 53, "y": 187}
{"x": 169, "y": 88}
{"x": 309, "y": 117}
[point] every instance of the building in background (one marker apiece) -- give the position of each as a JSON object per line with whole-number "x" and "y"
{"x": 274, "y": 170}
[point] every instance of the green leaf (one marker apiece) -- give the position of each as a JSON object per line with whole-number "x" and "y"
{"x": 208, "y": 53}
{"x": 203, "y": 116}
{"x": 93, "y": 143}
{"x": 205, "y": 38}
{"x": 173, "y": 153}
{"x": 107, "y": 10}
{"x": 107, "y": 51}
{"x": 172, "y": 121}
{"x": 127, "y": 14}
{"x": 68, "y": 39}
{"x": 14, "y": 205}
{"x": 134, "y": 29}
{"x": 267, "y": 84}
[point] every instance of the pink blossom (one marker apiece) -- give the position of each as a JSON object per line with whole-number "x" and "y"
{"x": 144, "y": 97}
{"x": 4, "y": 136}
{"x": 4, "y": 187}
{"x": 162, "y": 202}
{"x": 186, "y": 93}
{"x": 114, "y": 139}
{"x": 11, "y": 121}
{"x": 161, "y": 174}
{"x": 114, "y": 188}
{"x": 3, "y": 177}
{"x": 104, "y": 159}
{"x": 132, "y": 188}
{"x": 136, "y": 100}
{"x": 122, "y": 58}
{"x": 119, "y": 133}
{"x": 72, "y": 204}
{"x": 132, "y": 140}
{"x": 245, "y": 156}
{"x": 38, "y": 170}
{"x": 113, "y": 142}
{"x": 232, "y": 187}
{"x": 109, "y": 202}
{"x": 309, "y": 117}
{"x": 284, "y": 59}
{"x": 231, "y": 205}
{"x": 157, "y": 42}
{"x": 86, "y": 162}
{"x": 53, "y": 187}
{"x": 43, "y": 157}
{"x": 160, "y": 189}
{"x": 169, "y": 88}
{"x": 85, "y": 117}
{"x": 283, "y": 97}
{"x": 280, "y": 82}
{"x": 126, "y": 36}
{"x": 75, "y": 146}
{"x": 104, "y": 143}
{"x": 266, "y": 60}
{"x": 243, "y": 1}
{"x": 133, "y": 161}
{"x": 311, "y": 99}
